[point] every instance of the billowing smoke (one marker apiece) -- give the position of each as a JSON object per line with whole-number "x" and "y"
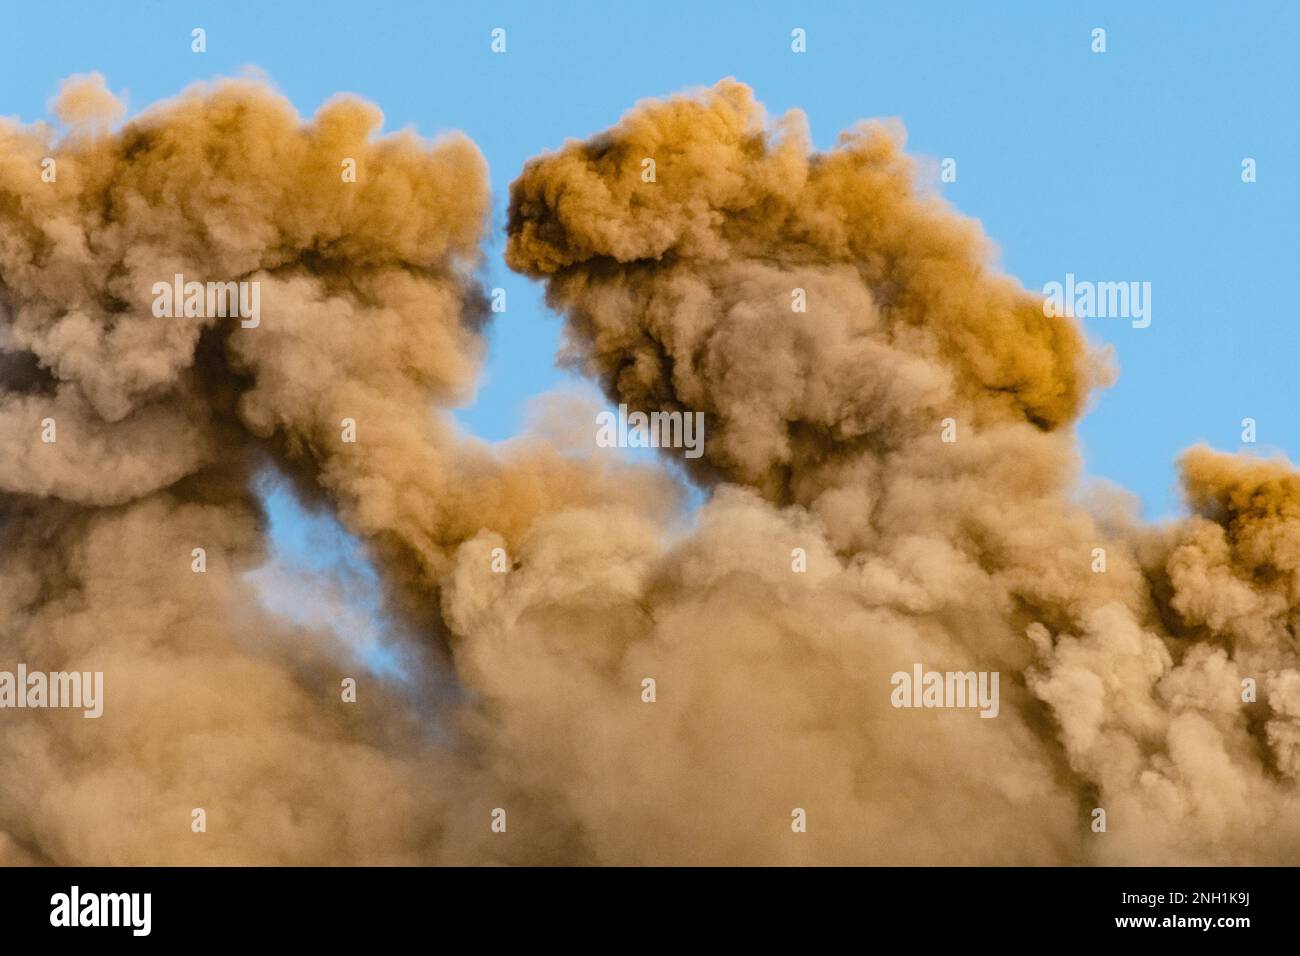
{"x": 679, "y": 245}
{"x": 535, "y": 591}
{"x": 133, "y": 439}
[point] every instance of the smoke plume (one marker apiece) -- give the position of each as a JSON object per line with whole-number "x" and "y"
{"x": 523, "y": 684}
{"x": 1121, "y": 690}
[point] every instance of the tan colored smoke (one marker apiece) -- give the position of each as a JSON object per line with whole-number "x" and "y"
{"x": 1120, "y": 690}
{"x": 372, "y": 313}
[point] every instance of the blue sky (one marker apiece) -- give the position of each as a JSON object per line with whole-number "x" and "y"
{"x": 1115, "y": 166}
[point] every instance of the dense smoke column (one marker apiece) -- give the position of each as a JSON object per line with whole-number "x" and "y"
{"x": 905, "y": 412}
{"x": 133, "y": 438}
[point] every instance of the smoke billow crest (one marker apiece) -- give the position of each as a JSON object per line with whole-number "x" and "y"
{"x": 1120, "y": 690}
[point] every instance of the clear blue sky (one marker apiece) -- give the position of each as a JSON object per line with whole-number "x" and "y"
{"x": 1124, "y": 165}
